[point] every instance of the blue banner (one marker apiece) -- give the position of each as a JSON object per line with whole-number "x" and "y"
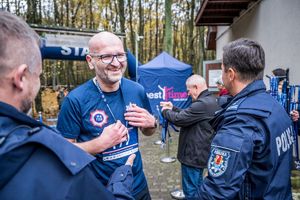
{"x": 64, "y": 53}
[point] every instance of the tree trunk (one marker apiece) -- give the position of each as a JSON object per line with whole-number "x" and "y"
{"x": 168, "y": 27}
{"x": 67, "y": 12}
{"x": 121, "y": 15}
{"x": 74, "y": 14}
{"x": 141, "y": 29}
{"x": 56, "y": 13}
{"x": 122, "y": 19}
{"x": 150, "y": 36}
{"x": 156, "y": 27}
{"x": 32, "y": 11}
{"x": 91, "y": 25}
{"x": 191, "y": 33}
{"x": 130, "y": 6}
{"x": 61, "y": 18}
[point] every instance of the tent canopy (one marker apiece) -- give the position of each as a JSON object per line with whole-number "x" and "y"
{"x": 164, "y": 64}
{"x": 164, "y": 79}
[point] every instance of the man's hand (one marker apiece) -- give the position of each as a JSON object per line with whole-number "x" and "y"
{"x": 166, "y": 105}
{"x": 130, "y": 160}
{"x": 294, "y": 115}
{"x": 113, "y": 134}
{"x": 140, "y": 117}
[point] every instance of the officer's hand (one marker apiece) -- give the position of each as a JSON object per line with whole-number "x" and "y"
{"x": 113, "y": 134}
{"x": 294, "y": 115}
{"x": 130, "y": 160}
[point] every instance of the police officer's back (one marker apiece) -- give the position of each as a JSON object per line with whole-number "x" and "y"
{"x": 251, "y": 154}
{"x": 35, "y": 161}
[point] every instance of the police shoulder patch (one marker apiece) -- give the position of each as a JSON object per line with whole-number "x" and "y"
{"x": 218, "y": 162}
{"x": 98, "y": 118}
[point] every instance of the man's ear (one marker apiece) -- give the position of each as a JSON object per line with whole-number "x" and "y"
{"x": 89, "y": 61}
{"x": 19, "y": 76}
{"x": 232, "y": 74}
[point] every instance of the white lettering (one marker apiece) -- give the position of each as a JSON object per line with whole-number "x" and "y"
{"x": 76, "y": 51}
{"x": 85, "y": 51}
{"x": 278, "y": 143}
{"x": 121, "y": 155}
{"x": 154, "y": 95}
{"x": 66, "y": 51}
{"x": 284, "y": 141}
{"x": 290, "y": 136}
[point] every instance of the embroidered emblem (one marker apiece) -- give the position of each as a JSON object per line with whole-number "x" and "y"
{"x": 98, "y": 118}
{"x": 218, "y": 162}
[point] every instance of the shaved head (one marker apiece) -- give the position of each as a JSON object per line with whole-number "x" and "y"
{"x": 20, "y": 62}
{"x": 98, "y": 41}
{"x": 18, "y": 41}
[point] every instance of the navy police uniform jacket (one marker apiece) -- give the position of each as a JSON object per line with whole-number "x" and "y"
{"x": 251, "y": 154}
{"x": 37, "y": 163}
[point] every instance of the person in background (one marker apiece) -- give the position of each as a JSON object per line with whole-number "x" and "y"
{"x": 251, "y": 154}
{"x": 60, "y": 97}
{"x": 35, "y": 161}
{"x": 222, "y": 90}
{"x": 223, "y": 95}
{"x": 95, "y": 115}
{"x": 281, "y": 74}
{"x": 195, "y": 134}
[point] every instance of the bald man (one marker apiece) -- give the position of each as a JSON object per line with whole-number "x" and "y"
{"x": 103, "y": 115}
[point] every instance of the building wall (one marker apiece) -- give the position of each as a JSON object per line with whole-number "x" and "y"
{"x": 275, "y": 24}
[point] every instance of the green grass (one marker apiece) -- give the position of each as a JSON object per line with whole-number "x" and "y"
{"x": 295, "y": 179}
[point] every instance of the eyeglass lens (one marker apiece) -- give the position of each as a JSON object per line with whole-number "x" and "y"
{"x": 107, "y": 59}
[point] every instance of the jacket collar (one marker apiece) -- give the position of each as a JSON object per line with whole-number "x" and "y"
{"x": 203, "y": 94}
{"x": 254, "y": 87}
{"x": 71, "y": 156}
{"x": 11, "y": 112}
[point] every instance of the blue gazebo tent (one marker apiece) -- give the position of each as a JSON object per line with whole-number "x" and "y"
{"x": 164, "y": 80}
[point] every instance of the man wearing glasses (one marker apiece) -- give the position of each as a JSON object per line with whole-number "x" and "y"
{"x": 103, "y": 115}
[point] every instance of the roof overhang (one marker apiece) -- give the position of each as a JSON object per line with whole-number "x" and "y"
{"x": 220, "y": 12}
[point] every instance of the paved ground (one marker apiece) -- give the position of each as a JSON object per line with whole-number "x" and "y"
{"x": 162, "y": 177}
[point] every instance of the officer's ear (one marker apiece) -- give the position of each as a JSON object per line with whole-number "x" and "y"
{"x": 232, "y": 74}
{"x": 19, "y": 76}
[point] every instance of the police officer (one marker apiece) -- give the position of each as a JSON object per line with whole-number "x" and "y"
{"x": 35, "y": 162}
{"x": 251, "y": 154}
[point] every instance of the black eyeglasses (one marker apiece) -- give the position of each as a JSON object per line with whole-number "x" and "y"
{"x": 108, "y": 58}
